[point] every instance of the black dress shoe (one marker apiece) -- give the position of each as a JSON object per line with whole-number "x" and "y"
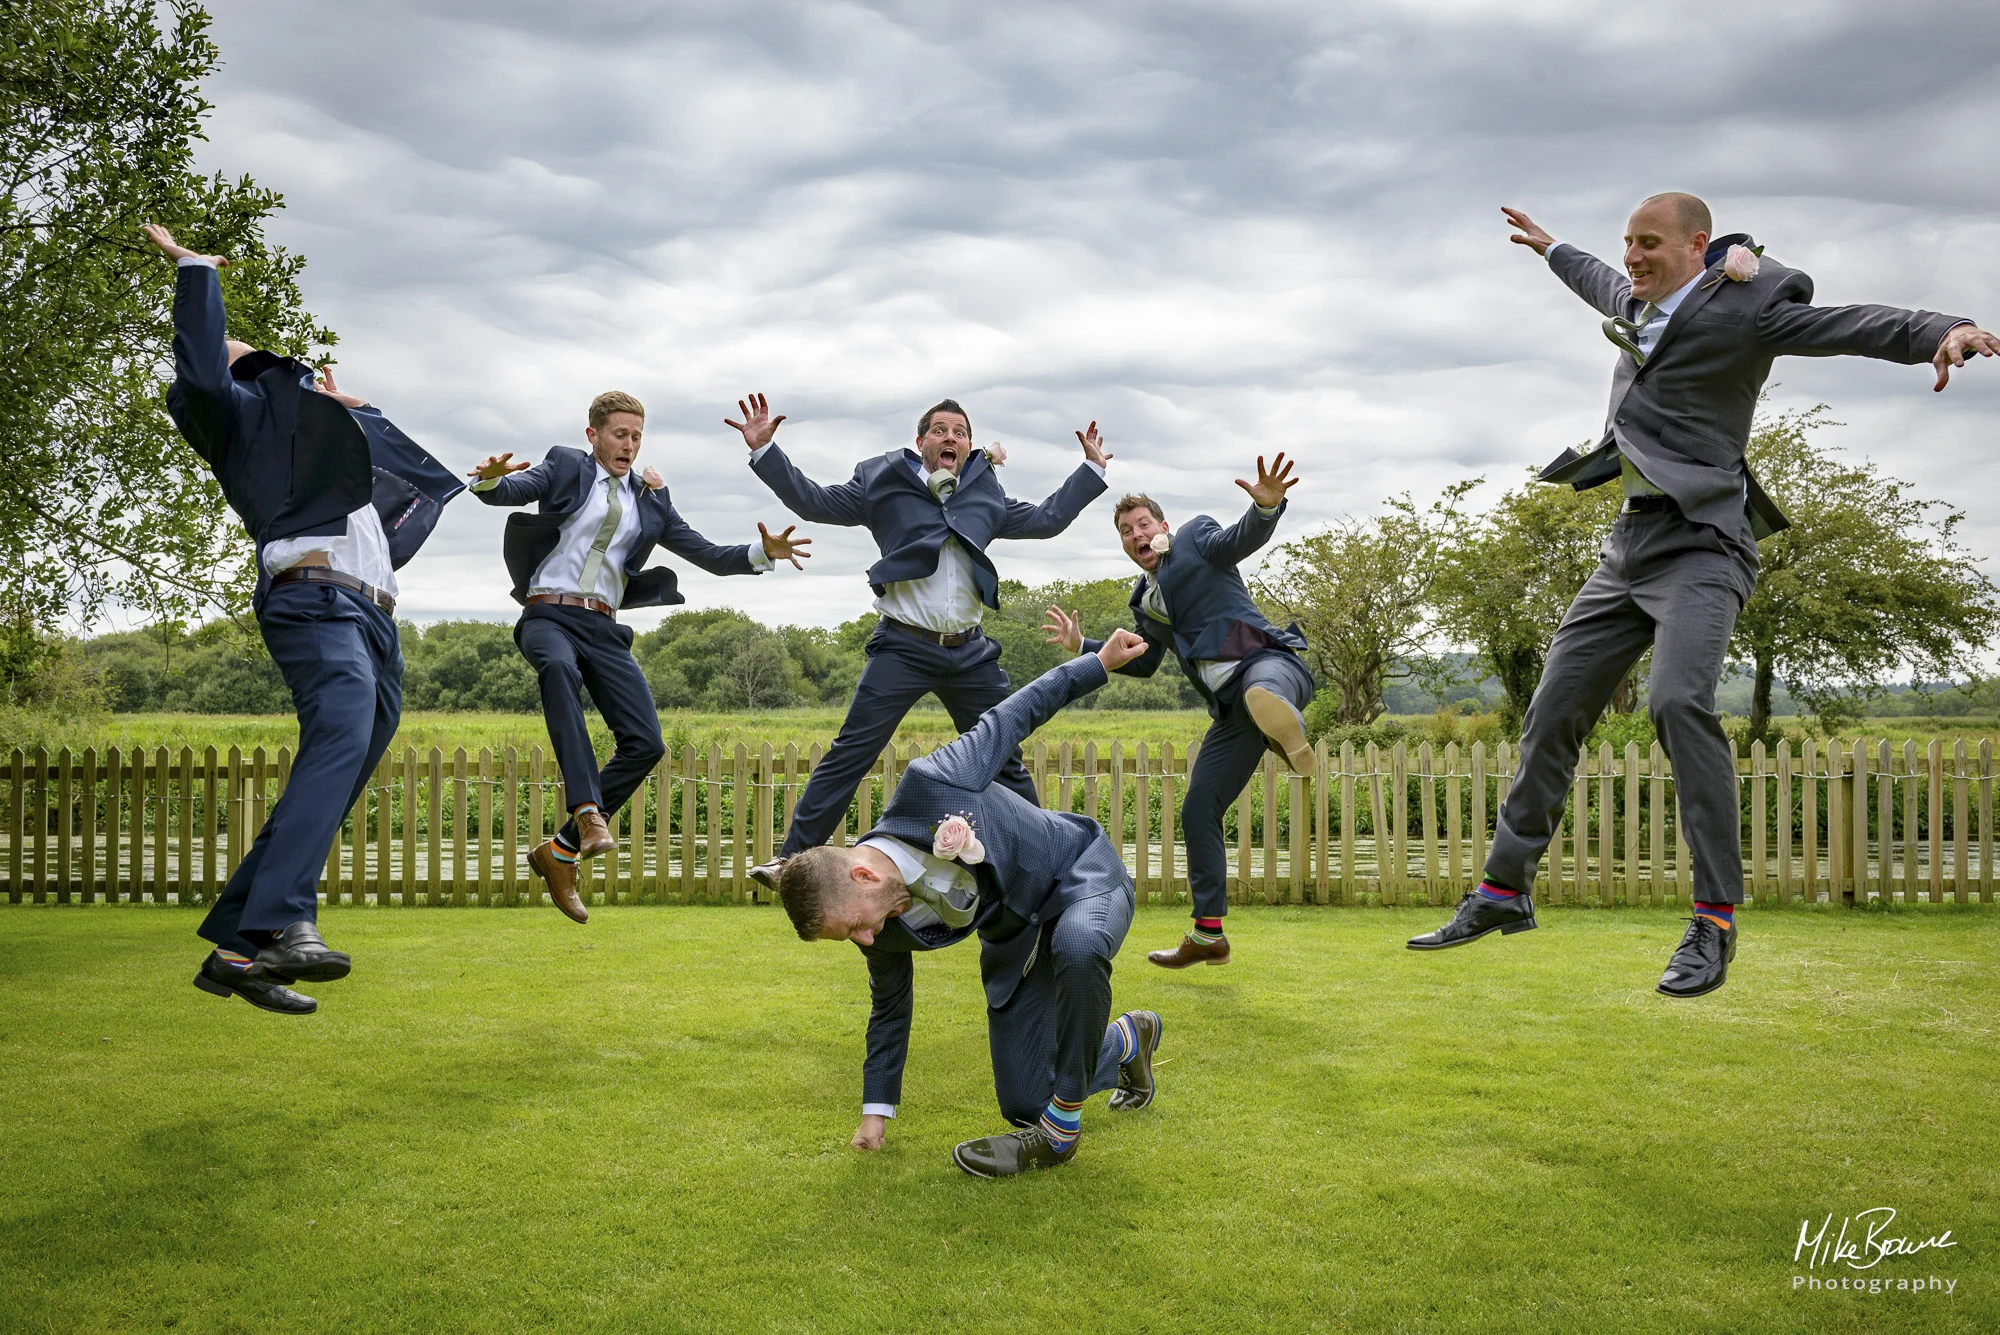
{"x": 1135, "y": 1078}
{"x": 1701, "y": 963}
{"x": 1015, "y": 1152}
{"x": 297, "y": 954}
{"x": 221, "y": 978}
{"x": 1477, "y": 915}
{"x": 766, "y": 873}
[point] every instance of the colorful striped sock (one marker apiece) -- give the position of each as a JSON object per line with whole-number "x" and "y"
{"x": 1062, "y": 1123}
{"x": 1206, "y": 931}
{"x": 232, "y": 959}
{"x": 1128, "y": 1038}
{"x": 1495, "y": 891}
{"x": 1722, "y": 915}
{"x": 562, "y": 851}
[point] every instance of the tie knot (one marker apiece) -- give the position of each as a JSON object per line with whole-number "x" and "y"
{"x": 943, "y": 483}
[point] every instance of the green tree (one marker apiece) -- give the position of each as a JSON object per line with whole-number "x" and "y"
{"x": 1867, "y": 581}
{"x": 1506, "y": 578}
{"x": 1361, "y": 590}
{"x": 99, "y": 112}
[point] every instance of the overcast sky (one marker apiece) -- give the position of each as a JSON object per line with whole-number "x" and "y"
{"x": 1217, "y": 229}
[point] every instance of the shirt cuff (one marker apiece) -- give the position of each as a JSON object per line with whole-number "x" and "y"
{"x": 486, "y": 484}
{"x": 760, "y": 560}
{"x": 1094, "y": 467}
{"x": 761, "y": 450}
{"x": 186, "y": 260}
{"x": 1550, "y": 253}
{"x": 878, "y": 1110}
{"x": 1268, "y": 513}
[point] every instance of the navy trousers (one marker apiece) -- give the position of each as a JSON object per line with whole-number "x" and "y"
{"x": 1229, "y": 755}
{"x": 571, "y": 648}
{"x": 344, "y": 664}
{"x": 901, "y": 670}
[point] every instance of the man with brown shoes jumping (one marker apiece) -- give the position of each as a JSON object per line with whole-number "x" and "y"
{"x": 575, "y": 563}
{"x": 1192, "y": 600}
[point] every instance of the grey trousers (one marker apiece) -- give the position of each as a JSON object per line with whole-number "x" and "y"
{"x": 1230, "y": 753}
{"x": 1677, "y": 586}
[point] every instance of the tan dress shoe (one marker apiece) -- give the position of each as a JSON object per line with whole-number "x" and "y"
{"x": 1191, "y": 951}
{"x": 593, "y": 834}
{"x": 1278, "y": 719}
{"x": 561, "y": 877}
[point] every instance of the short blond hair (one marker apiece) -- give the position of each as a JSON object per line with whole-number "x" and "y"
{"x": 810, "y": 882}
{"x": 614, "y": 401}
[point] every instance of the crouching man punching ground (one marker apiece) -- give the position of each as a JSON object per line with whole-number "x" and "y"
{"x": 957, "y": 853}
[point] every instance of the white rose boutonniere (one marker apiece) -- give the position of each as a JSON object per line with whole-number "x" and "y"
{"x": 652, "y": 480}
{"x": 1162, "y": 543}
{"x": 955, "y": 839}
{"x": 1741, "y": 263}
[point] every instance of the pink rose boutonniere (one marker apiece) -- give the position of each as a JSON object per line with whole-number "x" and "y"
{"x": 1162, "y": 543}
{"x": 1739, "y": 265}
{"x": 996, "y": 454}
{"x": 956, "y": 840}
{"x": 651, "y": 477}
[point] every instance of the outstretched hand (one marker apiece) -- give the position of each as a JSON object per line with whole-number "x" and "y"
{"x": 323, "y": 382}
{"x": 1959, "y": 343}
{"x": 1528, "y": 234}
{"x": 1093, "y": 446}
{"x": 1121, "y": 648}
{"x": 1272, "y": 483}
{"x": 757, "y": 426}
{"x": 1065, "y": 629}
{"x": 175, "y": 251}
{"x": 785, "y": 547}
{"x": 496, "y": 465}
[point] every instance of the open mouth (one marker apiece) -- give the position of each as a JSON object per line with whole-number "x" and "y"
{"x": 948, "y": 457}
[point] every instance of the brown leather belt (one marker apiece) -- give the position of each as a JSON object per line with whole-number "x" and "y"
{"x": 951, "y": 641}
{"x": 575, "y": 600}
{"x": 323, "y": 575}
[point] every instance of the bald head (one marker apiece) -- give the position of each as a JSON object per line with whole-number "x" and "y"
{"x": 1666, "y": 242}
{"x": 1687, "y": 211}
{"x": 238, "y": 350}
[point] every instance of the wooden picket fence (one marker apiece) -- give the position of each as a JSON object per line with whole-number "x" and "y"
{"x": 1847, "y": 822}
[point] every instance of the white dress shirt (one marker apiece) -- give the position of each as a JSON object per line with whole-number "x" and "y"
{"x": 953, "y": 880}
{"x": 362, "y": 551}
{"x": 1215, "y": 672}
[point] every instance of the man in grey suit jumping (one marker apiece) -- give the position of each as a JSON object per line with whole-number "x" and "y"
{"x": 1698, "y": 321}
{"x": 958, "y": 853}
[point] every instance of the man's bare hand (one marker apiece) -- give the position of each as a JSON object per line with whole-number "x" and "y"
{"x": 757, "y": 426}
{"x": 496, "y": 465}
{"x": 1064, "y": 628}
{"x": 1123, "y": 646}
{"x": 785, "y": 547}
{"x": 1272, "y": 483}
{"x": 1962, "y": 342}
{"x": 1093, "y": 446}
{"x": 175, "y": 251}
{"x": 869, "y": 1135}
{"x": 323, "y": 382}
{"x": 1527, "y": 234}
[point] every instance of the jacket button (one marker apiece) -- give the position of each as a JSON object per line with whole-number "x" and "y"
{"x": 1034, "y": 917}
{"x": 1621, "y": 421}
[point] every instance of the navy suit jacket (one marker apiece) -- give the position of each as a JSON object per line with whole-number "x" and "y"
{"x": 1213, "y": 615}
{"x": 908, "y": 523}
{"x": 292, "y": 462}
{"x": 560, "y": 483}
{"x": 1037, "y": 863}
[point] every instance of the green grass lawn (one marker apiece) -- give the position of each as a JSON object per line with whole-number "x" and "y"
{"x": 506, "y": 1122}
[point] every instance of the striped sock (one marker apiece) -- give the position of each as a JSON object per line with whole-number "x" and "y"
{"x": 1722, "y": 915}
{"x": 1128, "y": 1038}
{"x": 1062, "y": 1123}
{"x": 562, "y": 852}
{"x": 232, "y": 959}
{"x": 1206, "y": 931}
{"x": 1494, "y": 891}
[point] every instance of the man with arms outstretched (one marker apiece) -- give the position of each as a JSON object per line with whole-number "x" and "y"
{"x": 933, "y": 511}
{"x": 1697, "y": 320}
{"x": 575, "y": 563}
{"x": 337, "y": 500}
{"x": 1192, "y": 601}
{"x": 959, "y": 853}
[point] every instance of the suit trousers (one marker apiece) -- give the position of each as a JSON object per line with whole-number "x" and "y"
{"x": 901, "y": 670}
{"x": 571, "y": 648}
{"x": 1053, "y": 1038}
{"x": 341, "y": 657}
{"x": 1230, "y": 753}
{"x": 1677, "y": 586}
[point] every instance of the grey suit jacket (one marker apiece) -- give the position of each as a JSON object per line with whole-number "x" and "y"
{"x": 1684, "y": 417}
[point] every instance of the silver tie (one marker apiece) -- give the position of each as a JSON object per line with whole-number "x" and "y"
{"x": 1625, "y": 333}
{"x": 941, "y": 904}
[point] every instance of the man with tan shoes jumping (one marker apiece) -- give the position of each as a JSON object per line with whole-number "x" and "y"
{"x": 575, "y": 562}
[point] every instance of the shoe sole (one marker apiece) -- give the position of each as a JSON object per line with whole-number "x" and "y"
{"x": 1278, "y": 720}
{"x": 1164, "y": 964}
{"x": 1689, "y": 996}
{"x": 1505, "y": 929}
{"x": 327, "y": 971}
{"x": 215, "y": 989}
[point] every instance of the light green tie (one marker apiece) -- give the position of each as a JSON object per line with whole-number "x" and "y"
{"x": 606, "y": 531}
{"x": 942, "y": 484}
{"x": 941, "y": 904}
{"x": 1625, "y": 333}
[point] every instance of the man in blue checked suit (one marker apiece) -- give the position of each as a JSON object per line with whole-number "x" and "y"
{"x": 1192, "y": 601}
{"x": 575, "y": 562}
{"x": 337, "y": 500}
{"x": 959, "y": 853}
{"x": 933, "y": 511}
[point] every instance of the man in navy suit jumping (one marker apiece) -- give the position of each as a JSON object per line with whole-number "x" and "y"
{"x": 933, "y": 511}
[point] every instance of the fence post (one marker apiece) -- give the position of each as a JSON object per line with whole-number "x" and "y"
{"x": 1934, "y": 774}
{"x": 1607, "y": 825}
{"x": 1322, "y": 832}
{"x": 1379, "y": 826}
{"x": 1116, "y": 827}
{"x": 1857, "y": 834}
{"x": 1142, "y": 860}
{"x": 743, "y": 810}
{"x": 87, "y": 786}
{"x": 1169, "y": 820}
{"x": 714, "y": 804}
{"x": 1270, "y": 828}
{"x": 1959, "y": 878}
{"x": 690, "y": 841}
{"x": 1985, "y": 821}
{"x": 1427, "y": 826}
{"x": 1757, "y": 839}
{"x": 1809, "y": 816}
{"x": 65, "y": 801}
{"x": 1885, "y": 820}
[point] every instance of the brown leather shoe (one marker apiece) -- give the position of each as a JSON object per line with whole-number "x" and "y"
{"x": 561, "y": 877}
{"x": 593, "y": 834}
{"x": 1190, "y": 951}
{"x": 1278, "y": 719}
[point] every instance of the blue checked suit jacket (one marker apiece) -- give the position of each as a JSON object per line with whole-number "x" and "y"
{"x": 1037, "y": 863}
